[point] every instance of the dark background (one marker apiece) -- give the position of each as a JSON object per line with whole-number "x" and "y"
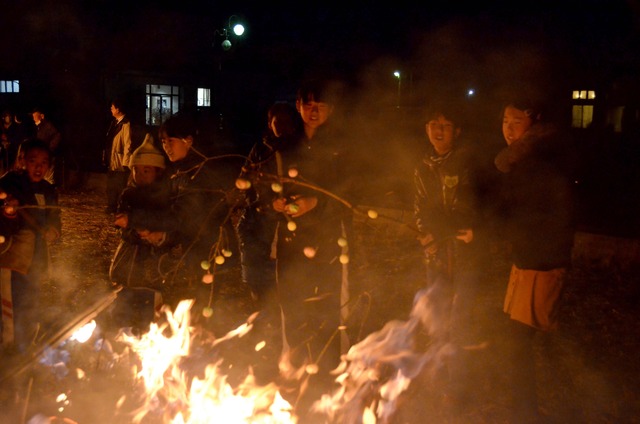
{"x": 64, "y": 49}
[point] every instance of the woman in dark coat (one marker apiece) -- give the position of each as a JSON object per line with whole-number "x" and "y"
{"x": 537, "y": 213}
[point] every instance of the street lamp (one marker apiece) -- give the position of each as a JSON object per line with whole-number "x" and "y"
{"x": 398, "y": 75}
{"x": 237, "y": 30}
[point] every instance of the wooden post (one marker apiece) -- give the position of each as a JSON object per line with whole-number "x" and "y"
{"x": 8, "y": 335}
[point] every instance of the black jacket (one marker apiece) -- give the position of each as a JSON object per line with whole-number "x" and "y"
{"x": 537, "y": 200}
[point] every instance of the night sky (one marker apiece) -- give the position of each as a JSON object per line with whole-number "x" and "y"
{"x": 280, "y": 38}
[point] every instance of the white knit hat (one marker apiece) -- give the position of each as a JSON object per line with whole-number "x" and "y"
{"x": 147, "y": 154}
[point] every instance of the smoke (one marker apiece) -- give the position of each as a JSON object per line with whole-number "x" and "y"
{"x": 488, "y": 56}
{"x": 377, "y": 370}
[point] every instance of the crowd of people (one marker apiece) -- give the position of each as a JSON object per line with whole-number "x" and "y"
{"x": 14, "y": 132}
{"x": 287, "y": 210}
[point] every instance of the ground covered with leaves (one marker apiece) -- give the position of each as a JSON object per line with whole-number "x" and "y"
{"x": 587, "y": 370}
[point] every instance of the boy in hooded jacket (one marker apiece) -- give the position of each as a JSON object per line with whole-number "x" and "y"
{"x": 446, "y": 214}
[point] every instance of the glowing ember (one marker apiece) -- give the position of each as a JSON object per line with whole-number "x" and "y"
{"x": 85, "y": 332}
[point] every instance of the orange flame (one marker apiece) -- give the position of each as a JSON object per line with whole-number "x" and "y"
{"x": 171, "y": 394}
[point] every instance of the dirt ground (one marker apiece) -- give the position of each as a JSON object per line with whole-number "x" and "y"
{"x": 587, "y": 371}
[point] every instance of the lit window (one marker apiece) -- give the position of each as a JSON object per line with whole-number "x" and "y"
{"x": 9, "y": 86}
{"x": 583, "y": 94}
{"x": 204, "y": 97}
{"x": 582, "y": 112}
{"x": 162, "y": 101}
{"x": 582, "y": 116}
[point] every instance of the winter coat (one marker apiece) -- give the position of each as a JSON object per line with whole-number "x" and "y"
{"x": 536, "y": 208}
{"x": 119, "y": 146}
{"x": 199, "y": 207}
{"x": 46, "y": 132}
{"x": 309, "y": 264}
{"x": 135, "y": 262}
{"x": 319, "y": 163}
{"x": 146, "y": 206}
{"x": 261, "y": 168}
{"x": 16, "y": 185}
{"x": 444, "y": 200}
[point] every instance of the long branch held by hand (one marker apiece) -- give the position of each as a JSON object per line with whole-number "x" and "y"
{"x": 370, "y": 213}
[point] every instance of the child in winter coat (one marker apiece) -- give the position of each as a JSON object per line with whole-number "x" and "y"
{"x": 446, "y": 215}
{"x": 30, "y": 221}
{"x": 314, "y": 310}
{"x": 256, "y": 226}
{"x": 141, "y": 208}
